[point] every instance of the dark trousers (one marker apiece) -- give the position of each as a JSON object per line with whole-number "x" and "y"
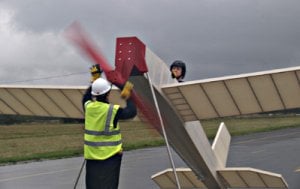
{"x": 103, "y": 174}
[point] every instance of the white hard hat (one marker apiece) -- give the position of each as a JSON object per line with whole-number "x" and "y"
{"x": 100, "y": 86}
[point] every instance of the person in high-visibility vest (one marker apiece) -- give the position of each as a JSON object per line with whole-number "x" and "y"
{"x": 102, "y": 138}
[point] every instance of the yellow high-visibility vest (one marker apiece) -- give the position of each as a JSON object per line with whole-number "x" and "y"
{"x": 101, "y": 139}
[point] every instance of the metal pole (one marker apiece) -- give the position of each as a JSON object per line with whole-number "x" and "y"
{"x": 164, "y": 132}
{"x": 80, "y": 171}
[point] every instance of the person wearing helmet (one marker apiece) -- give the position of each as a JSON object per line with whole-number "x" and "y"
{"x": 102, "y": 138}
{"x": 178, "y": 70}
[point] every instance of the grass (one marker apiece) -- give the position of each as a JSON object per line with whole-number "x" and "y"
{"x": 25, "y": 142}
{"x": 254, "y": 124}
{"x": 28, "y": 142}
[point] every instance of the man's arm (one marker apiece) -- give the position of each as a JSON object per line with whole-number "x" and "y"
{"x": 126, "y": 113}
{"x": 87, "y": 96}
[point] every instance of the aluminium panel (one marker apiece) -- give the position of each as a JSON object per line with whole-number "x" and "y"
{"x": 5, "y": 108}
{"x": 62, "y": 102}
{"x": 245, "y": 177}
{"x": 187, "y": 179}
{"x": 242, "y": 92}
{"x": 13, "y": 103}
{"x": 286, "y": 83}
{"x": 197, "y": 100}
{"x": 28, "y": 101}
{"x": 220, "y": 98}
{"x": 266, "y": 93}
{"x": 42, "y": 98}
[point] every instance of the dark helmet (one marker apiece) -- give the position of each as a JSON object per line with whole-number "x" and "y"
{"x": 178, "y": 63}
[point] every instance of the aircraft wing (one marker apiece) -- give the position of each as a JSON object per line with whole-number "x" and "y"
{"x": 48, "y": 101}
{"x": 236, "y": 95}
{"x": 239, "y": 177}
{"x": 195, "y": 100}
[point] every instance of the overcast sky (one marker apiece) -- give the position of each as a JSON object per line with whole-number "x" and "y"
{"x": 214, "y": 37}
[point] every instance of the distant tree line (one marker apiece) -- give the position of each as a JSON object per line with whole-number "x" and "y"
{"x": 289, "y": 111}
{"x": 18, "y": 119}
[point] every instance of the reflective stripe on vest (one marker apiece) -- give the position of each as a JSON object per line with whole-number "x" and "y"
{"x": 108, "y": 118}
{"x": 102, "y": 140}
{"x": 102, "y": 143}
{"x": 99, "y": 133}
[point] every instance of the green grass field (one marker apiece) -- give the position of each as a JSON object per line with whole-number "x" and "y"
{"x": 34, "y": 141}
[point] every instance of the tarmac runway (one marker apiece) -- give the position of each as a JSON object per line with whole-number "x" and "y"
{"x": 277, "y": 151}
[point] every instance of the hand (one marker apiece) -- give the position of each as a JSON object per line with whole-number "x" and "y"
{"x": 95, "y": 72}
{"x": 126, "y": 92}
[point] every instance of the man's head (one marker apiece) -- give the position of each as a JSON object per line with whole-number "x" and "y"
{"x": 178, "y": 69}
{"x": 101, "y": 88}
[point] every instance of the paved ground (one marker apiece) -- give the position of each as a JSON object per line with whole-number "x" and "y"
{"x": 277, "y": 151}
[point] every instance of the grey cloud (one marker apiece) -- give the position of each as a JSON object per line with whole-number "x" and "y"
{"x": 214, "y": 38}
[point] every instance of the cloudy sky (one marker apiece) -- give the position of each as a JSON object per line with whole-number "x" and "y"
{"x": 214, "y": 37}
